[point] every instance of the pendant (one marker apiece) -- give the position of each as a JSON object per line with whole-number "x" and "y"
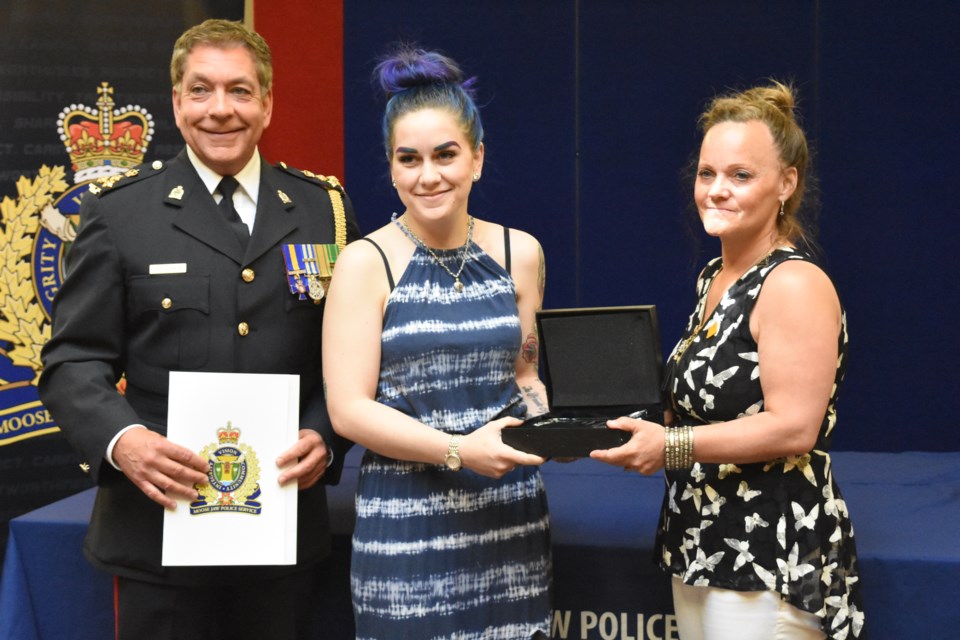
{"x": 458, "y": 285}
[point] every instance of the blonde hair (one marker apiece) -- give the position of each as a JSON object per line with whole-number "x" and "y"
{"x": 775, "y": 106}
{"x": 223, "y": 34}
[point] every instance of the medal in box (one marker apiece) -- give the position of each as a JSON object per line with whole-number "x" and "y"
{"x": 597, "y": 364}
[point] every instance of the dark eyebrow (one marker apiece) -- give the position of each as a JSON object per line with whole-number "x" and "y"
{"x": 232, "y": 82}
{"x": 405, "y": 150}
{"x": 446, "y": 145}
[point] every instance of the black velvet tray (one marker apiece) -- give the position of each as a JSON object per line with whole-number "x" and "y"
{"x": 597, "y": 364}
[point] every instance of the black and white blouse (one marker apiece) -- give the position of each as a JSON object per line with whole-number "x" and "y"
{"x": 780, "y": 525}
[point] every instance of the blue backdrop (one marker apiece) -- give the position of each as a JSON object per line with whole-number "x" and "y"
{"x": 590, "y": 110}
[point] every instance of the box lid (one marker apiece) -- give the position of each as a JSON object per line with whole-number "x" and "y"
{"x": 600, "y": 357}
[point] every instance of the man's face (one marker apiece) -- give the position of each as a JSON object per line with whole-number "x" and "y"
{"x": 219, "y": 107}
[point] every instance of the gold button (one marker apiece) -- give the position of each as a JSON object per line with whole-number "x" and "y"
{"x": 157, "y": 165}
{"x": 166, "y": 303}
{"x": 248, "y": 275}
{"x": 243, "y": 328}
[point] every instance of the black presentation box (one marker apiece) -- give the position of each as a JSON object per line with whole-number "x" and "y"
{"x": 597, "y": 364}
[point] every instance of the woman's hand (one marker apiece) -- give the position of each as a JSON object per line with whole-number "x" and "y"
{"x": 484, "y": 452}
{"x": 644, "y": 452}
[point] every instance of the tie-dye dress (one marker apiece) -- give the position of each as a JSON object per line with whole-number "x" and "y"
{"x": 439, "y": 553}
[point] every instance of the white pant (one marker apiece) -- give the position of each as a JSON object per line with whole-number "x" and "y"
{"x": 711, "y": 613}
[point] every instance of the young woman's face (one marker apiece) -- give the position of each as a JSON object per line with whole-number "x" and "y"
{"x": 433, "y": 164}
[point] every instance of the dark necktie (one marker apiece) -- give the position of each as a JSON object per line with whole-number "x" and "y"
{"x": 226, "y": 188}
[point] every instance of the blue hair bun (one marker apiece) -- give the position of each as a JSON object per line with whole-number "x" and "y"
{"x": 410, "y": 67}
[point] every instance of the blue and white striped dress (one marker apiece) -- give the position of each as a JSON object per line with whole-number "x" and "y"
{"x": 438, "y": 553}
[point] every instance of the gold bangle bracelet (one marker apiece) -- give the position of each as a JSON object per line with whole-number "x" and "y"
{"x": 678, "y": 448}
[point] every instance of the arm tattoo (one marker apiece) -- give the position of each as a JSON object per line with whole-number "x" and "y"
{"x": 535, "y": 404}
{"x": 530, "y": 348}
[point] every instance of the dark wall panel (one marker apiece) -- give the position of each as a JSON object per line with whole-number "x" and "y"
{"x": 522, "y": 55}
{"x": 647, "y": 70}
{"x": 890, "y": 225}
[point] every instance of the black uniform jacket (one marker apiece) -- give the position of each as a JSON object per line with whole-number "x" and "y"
{"x": 113, "y": 317}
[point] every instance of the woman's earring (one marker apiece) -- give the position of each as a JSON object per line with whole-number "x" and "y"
{"x": 394, "y": 183}
{"x": 781, "y": 207}
{"x": 476, "y": 177}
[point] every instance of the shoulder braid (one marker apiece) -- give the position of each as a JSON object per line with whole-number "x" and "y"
{"x": 107, "y": 184}
{"x": 336, "y": 192}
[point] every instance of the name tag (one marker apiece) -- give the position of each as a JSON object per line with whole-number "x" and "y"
{"x": 173, "y": 267}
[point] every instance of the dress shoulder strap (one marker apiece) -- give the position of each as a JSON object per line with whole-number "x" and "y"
{"x": 506, "y": 248}
{"x": 386, "y": 265}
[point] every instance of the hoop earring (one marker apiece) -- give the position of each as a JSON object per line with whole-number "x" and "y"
{"x": 781, "y": 207}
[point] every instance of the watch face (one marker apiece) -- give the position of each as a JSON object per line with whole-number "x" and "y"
{"x": 453, "y": 462}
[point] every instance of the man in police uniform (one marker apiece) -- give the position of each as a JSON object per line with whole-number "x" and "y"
{"x": 164, "y": 277}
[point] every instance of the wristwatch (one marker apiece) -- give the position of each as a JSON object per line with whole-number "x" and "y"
{"x": 452, "y": 459}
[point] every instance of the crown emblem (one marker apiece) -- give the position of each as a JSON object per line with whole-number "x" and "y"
{"x": 107, "y": 140}
{"x": 228, "y": 434}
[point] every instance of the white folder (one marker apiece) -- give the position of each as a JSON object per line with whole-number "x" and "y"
{"x": 241, "y": 423}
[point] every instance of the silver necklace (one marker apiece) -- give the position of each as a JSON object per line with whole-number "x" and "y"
{"x": 463, "y": 252}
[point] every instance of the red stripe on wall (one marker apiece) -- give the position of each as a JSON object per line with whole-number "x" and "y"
{"x": 306, "y": 39}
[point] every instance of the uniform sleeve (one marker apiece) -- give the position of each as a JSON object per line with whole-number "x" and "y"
{"x": 315, "y": 415}
{"x": 83, "y": 360}
{"x": 353, "y": 229}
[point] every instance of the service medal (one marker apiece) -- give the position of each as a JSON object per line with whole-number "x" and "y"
{"x": 309, "y": 269}
{"x": 316, "y": 288}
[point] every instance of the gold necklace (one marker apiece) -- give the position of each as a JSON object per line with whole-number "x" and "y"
{"x": 464, "y": 250}
{"x": 683, "y": 346}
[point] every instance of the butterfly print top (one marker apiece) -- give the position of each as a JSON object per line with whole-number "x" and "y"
{"x": 780, "y": 525}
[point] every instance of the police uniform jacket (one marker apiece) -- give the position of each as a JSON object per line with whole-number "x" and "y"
{"x": 230, "y": 311}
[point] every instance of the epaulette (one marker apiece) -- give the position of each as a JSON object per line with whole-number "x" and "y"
{"x": 327, "y": 182}
{"x": 335, "y": 191}
{"x": 106, "y": 184}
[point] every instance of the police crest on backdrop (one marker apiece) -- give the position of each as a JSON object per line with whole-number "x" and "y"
{"x": 104, "y": 143}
